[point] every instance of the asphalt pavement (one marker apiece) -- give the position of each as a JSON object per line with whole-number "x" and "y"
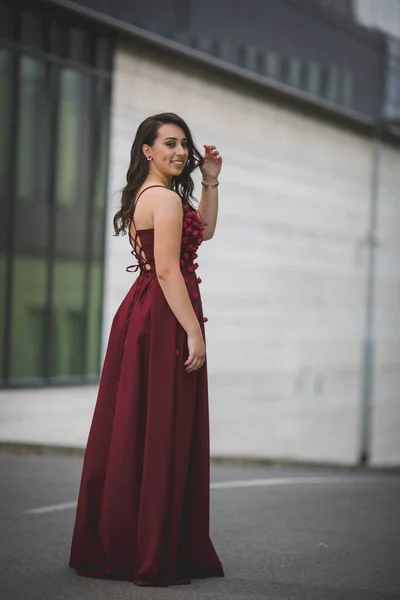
{"x": 281, "y": 533}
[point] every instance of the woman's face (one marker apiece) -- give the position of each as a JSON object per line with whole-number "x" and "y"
{"x": 169, "y": 152}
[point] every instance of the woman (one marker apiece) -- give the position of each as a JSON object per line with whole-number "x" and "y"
{"x": 143, "y": 507}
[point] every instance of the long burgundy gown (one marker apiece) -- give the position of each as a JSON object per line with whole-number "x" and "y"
{"x": 143, "y": 506}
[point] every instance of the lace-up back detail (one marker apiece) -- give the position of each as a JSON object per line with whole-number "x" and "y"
{"x": 145, "y": 261}
{"x": 142, "y": 244}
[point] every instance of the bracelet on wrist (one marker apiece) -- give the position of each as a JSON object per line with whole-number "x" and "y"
{"x": 206, "y": 185}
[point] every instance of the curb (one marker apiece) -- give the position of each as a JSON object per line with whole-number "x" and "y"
{"x": 30, "y": 449}
{"x": 57, "y": 450}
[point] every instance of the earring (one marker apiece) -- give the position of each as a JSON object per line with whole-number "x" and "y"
{"x": 149, "y": 157}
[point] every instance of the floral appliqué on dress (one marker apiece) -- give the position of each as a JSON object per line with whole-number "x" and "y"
{"x": 192, "y": 237}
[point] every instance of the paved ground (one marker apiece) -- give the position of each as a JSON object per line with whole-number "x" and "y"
{"x": 282, "y": 534}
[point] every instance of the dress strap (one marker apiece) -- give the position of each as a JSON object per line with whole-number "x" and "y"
{"x": 136, "y": 201}
{"x": 148, "y": 188}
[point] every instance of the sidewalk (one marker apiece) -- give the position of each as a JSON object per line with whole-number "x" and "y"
{"x": 47, "y": 417}
{"x": 57, "y": 421}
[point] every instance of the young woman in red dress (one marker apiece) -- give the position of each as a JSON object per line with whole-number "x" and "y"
{"x": 143, "y": 507}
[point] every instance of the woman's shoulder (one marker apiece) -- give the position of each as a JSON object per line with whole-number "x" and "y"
{"x": 160, "y": 196}
{"x": 158, "y": 192}
{"x": 159, "y": 203}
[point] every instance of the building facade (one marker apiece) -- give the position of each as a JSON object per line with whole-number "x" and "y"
{"x": 288, "y": 276}
{"x": 381, "y": 15}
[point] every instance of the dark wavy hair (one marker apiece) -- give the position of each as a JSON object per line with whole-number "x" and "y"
{"x": 139, "y": 168}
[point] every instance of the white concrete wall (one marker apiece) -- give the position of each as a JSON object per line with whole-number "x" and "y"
{"x": 285, "y": 276}
{"x": 386, "y": 410}
{"x": 55, "y": 417}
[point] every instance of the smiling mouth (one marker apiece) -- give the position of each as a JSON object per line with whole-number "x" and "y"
{"x": 178, "y": 163}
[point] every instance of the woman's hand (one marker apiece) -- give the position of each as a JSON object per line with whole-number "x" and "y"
{"x": 197, "y": 352}
{"x": 211, "y": 164}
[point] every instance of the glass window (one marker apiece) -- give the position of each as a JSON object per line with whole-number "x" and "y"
{"x": 100, "y": 171}
{"x": 94, "y": 316}
{"x": 247, "y": 57}
{"x": 285, "y": 71}
{"x": 216, "y": 48}
{"x": 36, "y": 321}
{"x": 30, "y": 224}
{"x": 273, "y": 65}
{"x": 224, "y": 48}
{"x": 3, "y": 275}
{"x": 205, "y": 44}
{"x": 333, "y": 89}
{"x": 324, "y": 82}
{"x": 261, "y": 65}
{"x": 93, "y": 337}
{"x": 313, "y": 79}
{"x": 67, "y": 318}
{"x": 5, "y": 155}
{"x": 294, "y": 74}
{"x": 101, "y": 163}
{"x": 32, "y": 116}
{"x": 57, "y": 39}
{"x": 346, "y": 88}
{"x": 31, "y": 220}
{"x": 241, "y": 56}
{"x": 54, "y": 140}
{"x": 103, "y": 53}
{"x": 7, "y": 23}
{"x": 79, "y": 45}
{"x": 72, "y": 137}
{"x": 74, "y": 153}
{"x": 304, "y": 74}
{"x": 28, "y": 315}
{"x": 32, "y": 29}
{"x": 5, "y": 128}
